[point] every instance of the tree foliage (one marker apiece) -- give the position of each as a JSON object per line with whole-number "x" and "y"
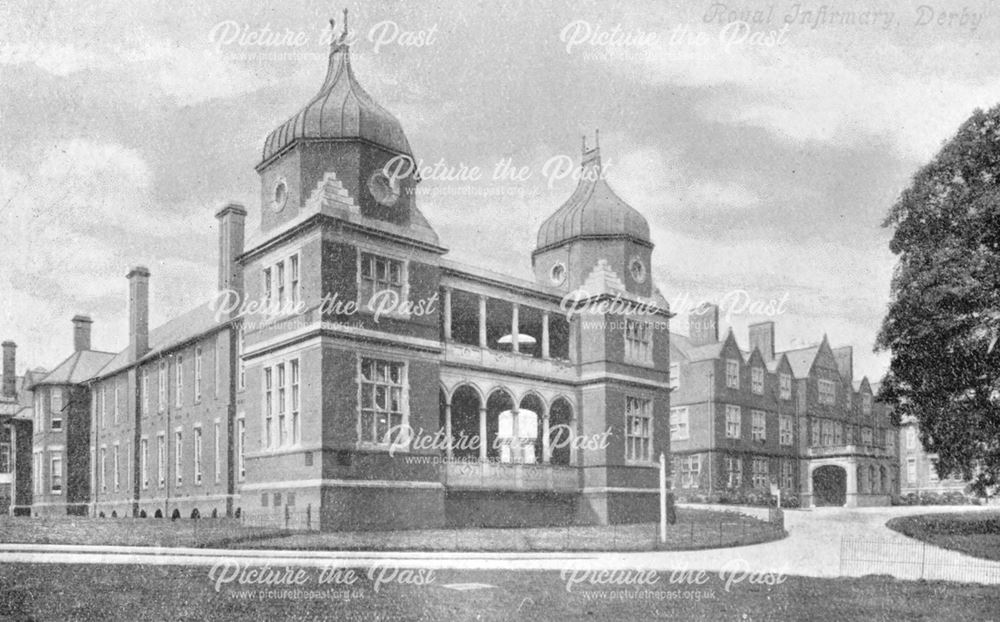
{"x": 943, "y": 319}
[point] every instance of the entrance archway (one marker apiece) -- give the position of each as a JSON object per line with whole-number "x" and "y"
{"x": 829, "y": 486}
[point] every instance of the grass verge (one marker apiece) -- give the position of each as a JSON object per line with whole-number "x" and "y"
{"x": 976, "y": 534}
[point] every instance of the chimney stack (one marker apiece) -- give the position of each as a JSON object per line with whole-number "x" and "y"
{"x": 9, "y": 369}
{"x": 703, "y": 325}
{"x": 232, "y": 220}
{"x": 138, "y": 311}
{"x": 762, "y": 338}
{"x": 81, "y": 332}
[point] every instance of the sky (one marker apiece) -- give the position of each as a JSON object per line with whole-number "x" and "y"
{"x": 763, "y": 141}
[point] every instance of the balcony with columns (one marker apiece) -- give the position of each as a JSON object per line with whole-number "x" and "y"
{"x": 505, "y": 335}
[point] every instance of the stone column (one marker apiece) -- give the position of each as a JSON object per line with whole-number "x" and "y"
{"x": 545, "y": 336}
{"x": 447, "y": 314}
{"x": 482, "y": 433}
{"x": 482, "y": 321}
{"x": 514, "y": 329}
{"x": 447, "y": 427}
{"x": 545, "y": 439}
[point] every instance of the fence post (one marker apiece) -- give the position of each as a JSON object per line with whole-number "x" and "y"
{"x": 923, "y": 558}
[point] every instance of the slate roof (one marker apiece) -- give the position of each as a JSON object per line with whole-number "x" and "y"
{"x": 341, "y": 109}
{"x": 592, "y": 210}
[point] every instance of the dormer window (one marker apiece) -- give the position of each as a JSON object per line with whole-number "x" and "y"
{"x": 866, "y": 404}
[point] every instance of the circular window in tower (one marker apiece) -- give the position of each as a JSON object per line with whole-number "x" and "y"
{"x": 637, "y": 269}
{"x": 558, "y": 273}
{"x": 280, "y": 195}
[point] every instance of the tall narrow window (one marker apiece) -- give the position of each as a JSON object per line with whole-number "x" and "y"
{"x": 241, "y": 443}
{"x": 638, "y": 429}
{"x": 785, "y": 386}
{"x": 144, "y": 391}
{"x": 734, "y": 421}
{"x": 56, "y": 473}
{"x": 116, "y": 466}
{"x": 161, "y": 386}
{"x": 732, "y": 374}
{"x": 734, "y": 472}
{"x": 268, "y": 409}
{"x": 218, "y": 365}
{"x": 197, "y": 455}
{"x": 179, "y": 381}
{"x": 866, "y": 404}
{"x": 382, "y": 399}
{"x": 104, "y": 405}
{"x": 761, "y": 474}
{"x": 296, "y": 424}
{"x": 279, "y": 271}
{"x": 118, "y": 400}
{"x": 267, "y": 290}
{"x": 282, "y": 422}
{"x": 788, "y": 474}
{"x": 679, "y": 429}
{"x": 144, "y": 463}
{"x": 161, "y": 461}
{"x": 675, "y": 376}
{"x": 56, "y": 408}
{"x": 690, "y": 470}
{"x": 758, "y": 421}
{"x": 217, "y": 453}
{"x": 241, "y": 344}
{"x": 197, "y": 373}
{"x": 827, "y": 392}
{"x": 293, "y": 266}
{"x": 104, "y": 469}
{"x": 785, "y": 429}
{"x": 757, "y": 380}
{"x": 179, "y": 456}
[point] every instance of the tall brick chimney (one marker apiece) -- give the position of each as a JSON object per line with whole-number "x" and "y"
{"x": 762, "y": 338}
{"x": 9, "y": 369}
{"x": 703, "y": 325}
{"x": 138, "y": 311}
{"x": 232, "y": 219}
{"x": 81, "y": 332}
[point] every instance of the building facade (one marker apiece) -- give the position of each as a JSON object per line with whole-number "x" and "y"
{"x": 16, "y": 416}
{"x": 748, "y": 422}
{"x": 366, "y": 380}
{"x": 918, "y": 468}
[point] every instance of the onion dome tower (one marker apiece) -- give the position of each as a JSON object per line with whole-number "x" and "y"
{"x": 339, "y": 147}
{"x": 595, "y": 240}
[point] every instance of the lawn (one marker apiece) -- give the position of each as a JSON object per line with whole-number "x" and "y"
{"x": 695, "y": 529}
{"x": 59, "y": 592}
{"x": 974, "y": 533}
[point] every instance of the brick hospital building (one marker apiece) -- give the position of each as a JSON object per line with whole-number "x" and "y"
{"x": 265, "y": 415}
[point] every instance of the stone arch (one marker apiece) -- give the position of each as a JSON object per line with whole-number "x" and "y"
{"x": 114, "y": 513}
{"x": 533, "y": 402}
{"x": 500, "y": 399}
{"x": 215, "y": 512}
{"x": 466, "y": 401}
{"x": 195, "y": 513}
{"x": 142, "y": 513}
{"x": 158, "y": 514}
{"x": 561, "y": 416}
{"x": 175, "y": 515}
{"x": 829, "y": 485}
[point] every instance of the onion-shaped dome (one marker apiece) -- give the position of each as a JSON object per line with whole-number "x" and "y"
{"x": 341, "y": 109}
{"x": 593, "y": 211}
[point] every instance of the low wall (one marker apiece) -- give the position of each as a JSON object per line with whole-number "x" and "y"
{"x": 752, "y": 511}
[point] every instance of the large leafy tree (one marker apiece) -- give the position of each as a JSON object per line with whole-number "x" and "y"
{"x": 944, "y": 316}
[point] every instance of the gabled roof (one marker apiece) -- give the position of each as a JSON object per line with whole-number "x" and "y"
{"x": 801, "y": 360}
{"x": 696, "y": 353}
{"x": 182, "y": 328}
{"x": 79, "y": 367}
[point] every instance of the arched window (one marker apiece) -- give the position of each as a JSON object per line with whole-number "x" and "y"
{"x": 871, "y": 479}
{"x": 498, "y": 402}
{"x": 517, "y": 435}
{"x": 465, "y": 439}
